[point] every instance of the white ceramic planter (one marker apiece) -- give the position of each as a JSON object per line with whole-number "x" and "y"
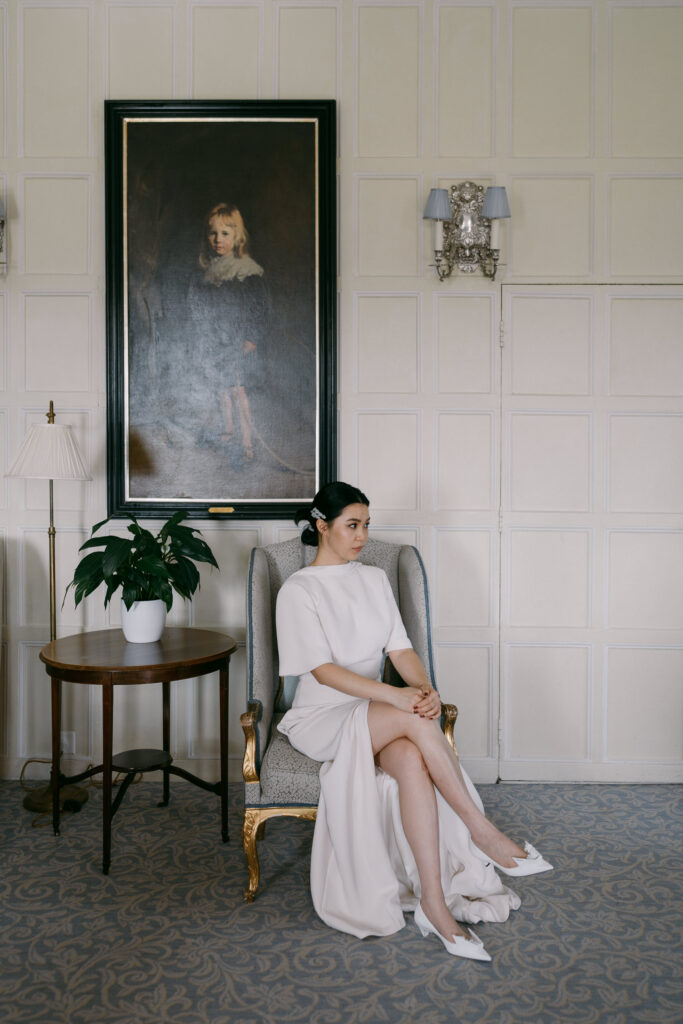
{"x": 145, "y": 621}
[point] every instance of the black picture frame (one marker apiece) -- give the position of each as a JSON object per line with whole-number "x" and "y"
{"x": 221, "y": 366}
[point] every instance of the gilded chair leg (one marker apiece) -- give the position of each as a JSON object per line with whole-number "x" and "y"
{"x": 252, "y": 826}
{"x": 261, "y": 831}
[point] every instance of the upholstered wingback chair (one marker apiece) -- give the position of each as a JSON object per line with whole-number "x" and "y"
{"x": 278, "y": 780}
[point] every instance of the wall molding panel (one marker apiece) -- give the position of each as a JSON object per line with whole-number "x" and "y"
{"x": 303, "y": 81}
{"x": 397, "y": 316}
{"x": 644, "y": 78}
{"x": 56, "y": 104}
{"x": 547, "y": 56}
{"x": 457, "y": 467}
{"x": 4, "y": 78}
{"x": 465, "y": 578}
{"x": 465, "y": 343}
{"x": 643, "y": 681}
{"x": 387, "y": 32}
{"x": 522, "y": 728}
{"x": 474, "y": 53}
{"x": 57, "y": 224}
{"x": 210, "y": 75}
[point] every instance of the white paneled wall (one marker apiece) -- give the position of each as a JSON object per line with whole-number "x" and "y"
{"x": 526, "y": 436}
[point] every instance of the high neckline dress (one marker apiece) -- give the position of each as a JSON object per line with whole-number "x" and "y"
{"x": 363, "y": 873}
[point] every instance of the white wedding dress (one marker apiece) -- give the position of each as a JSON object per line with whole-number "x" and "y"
{"x": 363, "y": 873}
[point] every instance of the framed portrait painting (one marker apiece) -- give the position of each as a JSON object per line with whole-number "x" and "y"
{"x": 221, "y": 306}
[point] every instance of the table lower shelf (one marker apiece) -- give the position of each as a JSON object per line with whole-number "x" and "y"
{"x": 141, "y": 761}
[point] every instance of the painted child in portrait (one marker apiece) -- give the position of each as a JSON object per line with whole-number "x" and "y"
{"x": 229, "y": 302}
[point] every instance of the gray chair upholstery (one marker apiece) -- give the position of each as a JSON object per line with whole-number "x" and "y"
{"x": 278, "y": 780}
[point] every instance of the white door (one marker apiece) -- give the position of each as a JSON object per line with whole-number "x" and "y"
{"x": 591, "y": 533}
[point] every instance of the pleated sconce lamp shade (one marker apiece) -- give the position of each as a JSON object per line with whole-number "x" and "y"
{"x": 438, "y": 207}
{"x": 495, "y": 205}
{"x": 49, "y": 452}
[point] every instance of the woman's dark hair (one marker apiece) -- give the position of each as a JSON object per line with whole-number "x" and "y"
{"x": 329, "y": 502}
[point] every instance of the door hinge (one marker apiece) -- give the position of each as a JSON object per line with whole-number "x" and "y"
{"x": 501, "y": 333}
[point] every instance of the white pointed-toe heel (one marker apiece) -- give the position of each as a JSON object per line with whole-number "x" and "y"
{"x": 471, "y": 949}
{"x": 532, "y": 864}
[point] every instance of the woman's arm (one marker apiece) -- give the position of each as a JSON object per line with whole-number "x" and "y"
{"x": 417, "y": 698}
{"x": 342, "y": 679}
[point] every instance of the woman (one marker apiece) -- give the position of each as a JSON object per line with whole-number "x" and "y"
{"x": 399, "y": 826}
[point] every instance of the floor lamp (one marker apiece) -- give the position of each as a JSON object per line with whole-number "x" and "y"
{"x": 49, "y": 452}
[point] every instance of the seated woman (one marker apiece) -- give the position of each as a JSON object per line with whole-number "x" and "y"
{"x": 400, "y": 827}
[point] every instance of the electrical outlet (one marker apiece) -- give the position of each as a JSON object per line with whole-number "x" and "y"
{"x": 68, "y": 742}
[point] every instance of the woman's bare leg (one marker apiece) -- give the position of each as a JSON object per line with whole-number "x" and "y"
{"x": 387, "y": 723}
{"x": 403, "y": 761}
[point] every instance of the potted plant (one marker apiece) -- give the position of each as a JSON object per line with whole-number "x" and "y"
{"x": 147, "y": 567}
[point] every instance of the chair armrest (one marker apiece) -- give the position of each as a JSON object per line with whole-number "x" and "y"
{"x": 248, "y": 722}
{"x": 449, "y": 713}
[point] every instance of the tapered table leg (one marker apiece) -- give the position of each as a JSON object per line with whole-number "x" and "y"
{"x": 107, "y": 719}
{"x": 223, "y": 686}
{"x": 56, "y": 742}
{"x": 166, "y": 733}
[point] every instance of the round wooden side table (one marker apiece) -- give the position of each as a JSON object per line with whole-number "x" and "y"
{"x": 104, "y": 658}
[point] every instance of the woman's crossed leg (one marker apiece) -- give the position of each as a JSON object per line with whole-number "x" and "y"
{"x": 403, "y": 761}
{"x": 387, "y": 723}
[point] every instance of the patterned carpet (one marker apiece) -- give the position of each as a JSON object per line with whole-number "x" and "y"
{"x": 166, "y": 938}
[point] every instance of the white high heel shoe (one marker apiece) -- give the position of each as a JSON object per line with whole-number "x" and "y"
{"x": 532, "y": 864}
{"x": 471, "y": 949}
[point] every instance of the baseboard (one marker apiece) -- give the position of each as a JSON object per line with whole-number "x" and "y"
{"x": 482, "y": 770}
{"x": 625, "y": 772}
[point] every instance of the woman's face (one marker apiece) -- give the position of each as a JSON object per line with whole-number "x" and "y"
{"x": 344, "y": 538}
{"x": 221, "y": 234}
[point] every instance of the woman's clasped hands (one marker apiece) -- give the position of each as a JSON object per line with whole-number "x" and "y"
{"x": 422, "y": 701}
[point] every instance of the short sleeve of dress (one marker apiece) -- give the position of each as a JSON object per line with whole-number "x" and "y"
{"x": 398, "y": 638}
{"x": 301, "y": 640}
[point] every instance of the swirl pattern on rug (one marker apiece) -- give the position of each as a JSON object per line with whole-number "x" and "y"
{"x": 167, "y": 939}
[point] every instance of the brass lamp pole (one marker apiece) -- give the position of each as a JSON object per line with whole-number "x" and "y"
{"x": 51, "y": 544}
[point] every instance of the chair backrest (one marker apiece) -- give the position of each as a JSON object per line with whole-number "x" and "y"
{"x": 270, "y": 566}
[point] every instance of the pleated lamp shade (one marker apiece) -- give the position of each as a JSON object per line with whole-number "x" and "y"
{"x": 49, "y": 452}
{"x": 495, "y": 205}
{"x": 438, "y": 206}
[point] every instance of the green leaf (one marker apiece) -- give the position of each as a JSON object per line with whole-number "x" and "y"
{"x": 129, "y": 596}
{"x": 90, "y": 566}
{"x": 112, "y": 586}
{"x": 97, "y": 526}
{"x": 94, "y": 542}
{"x": 167, "y": 596}
{"x": 196, "y": 549}
{"x": 171, "y": 525}
{"x": 118, "y": 550}
{"x": 184, "y": 577}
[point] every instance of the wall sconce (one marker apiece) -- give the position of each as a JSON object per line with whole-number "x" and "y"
{"x": 3, "y": 239}
{"x": 466, "y": 227}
